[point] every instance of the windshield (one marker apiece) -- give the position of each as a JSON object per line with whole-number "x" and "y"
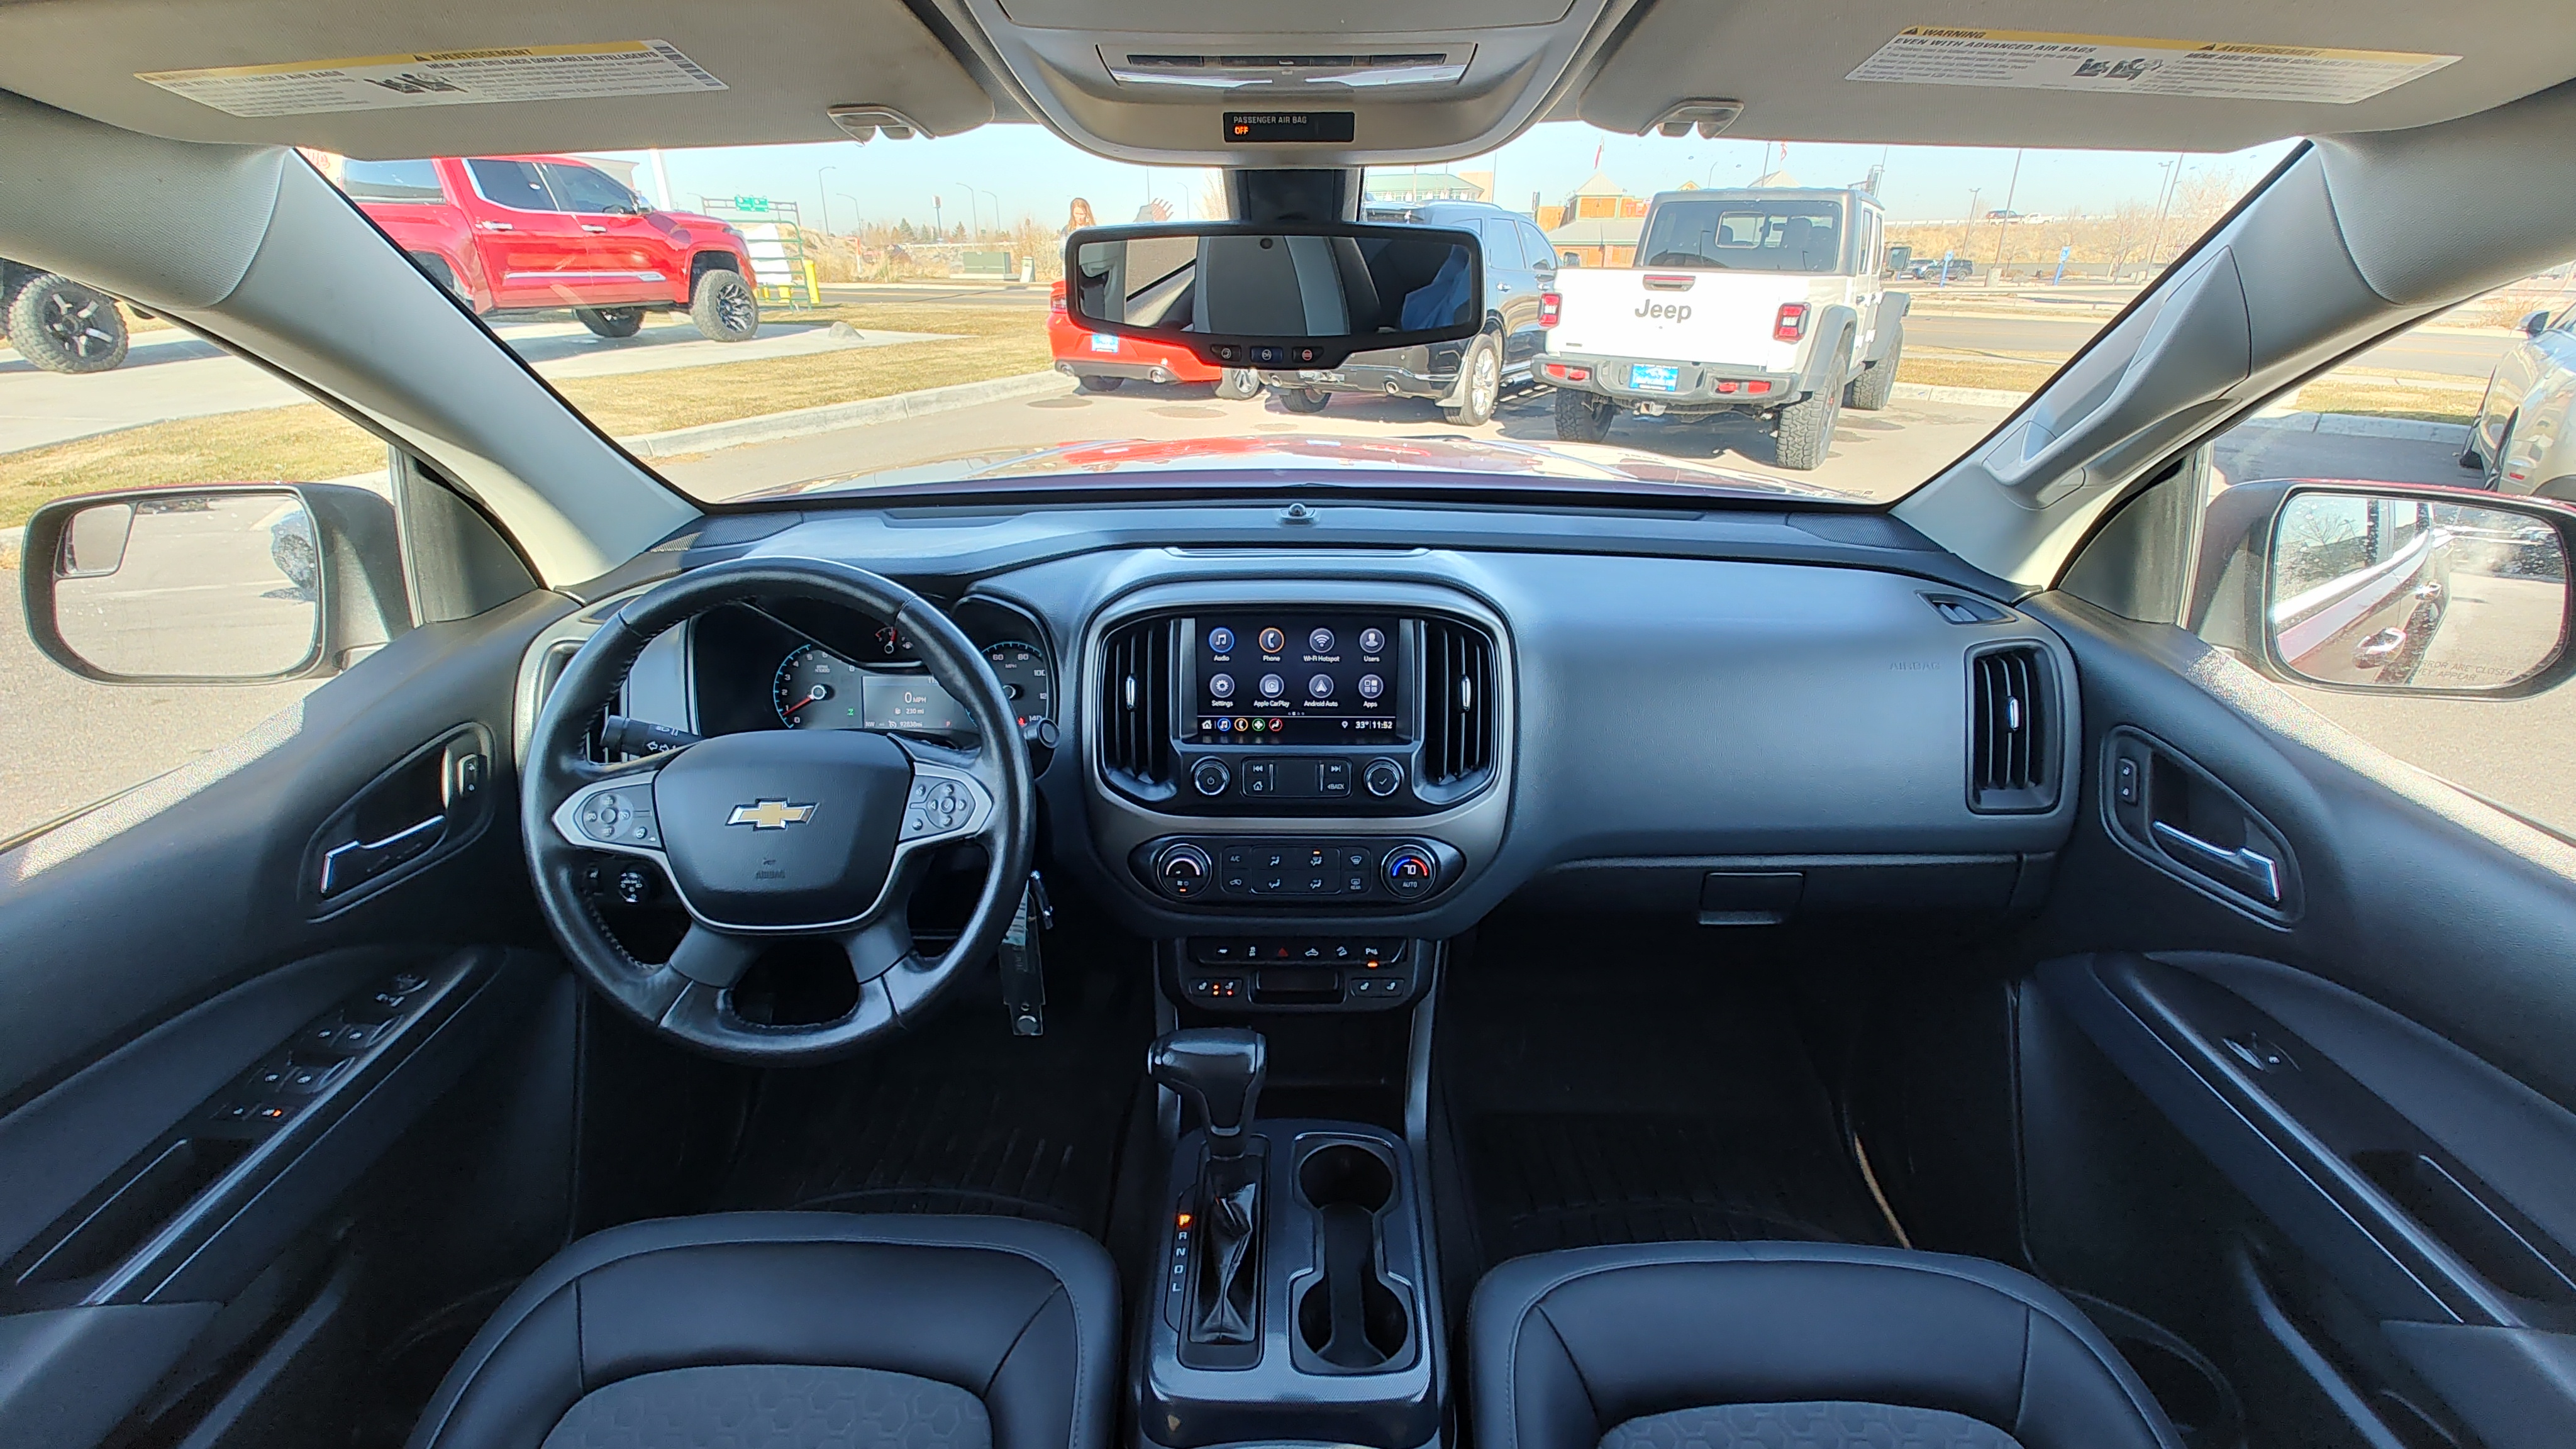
{"x": 1661, "y": 315}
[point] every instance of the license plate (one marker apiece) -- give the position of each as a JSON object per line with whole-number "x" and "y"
{"x": 1655, "y": 379}
{"x": 1104, "y": 342}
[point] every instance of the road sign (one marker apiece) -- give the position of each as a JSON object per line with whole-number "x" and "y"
{"x": 751, "y": 203}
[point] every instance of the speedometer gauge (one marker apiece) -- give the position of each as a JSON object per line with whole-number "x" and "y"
{"x": 1027, "y": 682}
{"x": 815, "y": 691}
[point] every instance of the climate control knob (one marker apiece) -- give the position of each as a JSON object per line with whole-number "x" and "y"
{"x": 1183, "y": 871}
{"x": 1409, "y": 871}
{"x": 1210, "y": 776}
{"x": 1383, "y": 778}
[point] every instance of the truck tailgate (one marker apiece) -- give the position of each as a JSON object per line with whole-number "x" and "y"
{"x": 1716, "y": 317}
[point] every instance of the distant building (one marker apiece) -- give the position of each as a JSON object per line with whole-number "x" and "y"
{"x": 1597, "y": 226}
{"x": 1392, "y": 187}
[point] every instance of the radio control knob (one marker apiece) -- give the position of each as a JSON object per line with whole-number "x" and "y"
{"x": 1210, "y": 776}
{"x": 1383, "y": 778}
{"x": 1183, "y": 871}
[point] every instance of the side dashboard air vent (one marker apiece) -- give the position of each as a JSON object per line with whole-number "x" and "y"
{"x": 1457, "y": 702}
{"x": 2012, "y": 731}
{"x": 1136, "y": 704}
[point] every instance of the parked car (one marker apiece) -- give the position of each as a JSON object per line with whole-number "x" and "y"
{"x": 1099, "y": 362}
{"x": 532, "y": 233}
{"x": 1466, "y": 378}
{"x": 2521, "y": 440}
{"x": 1941, "y": 270}
{"x": 58, "y": 324}
{"x": 1759, "y": 300}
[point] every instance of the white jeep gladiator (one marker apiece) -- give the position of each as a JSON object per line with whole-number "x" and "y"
{"x": 1764, "y": 300}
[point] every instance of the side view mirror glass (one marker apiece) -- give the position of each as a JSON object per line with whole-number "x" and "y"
{"x": 2391, "y": 589}
{"x": 2535, "y": 324}
{"x": 226, "y": 584}
{"x": 1277, "y": 295}
{"x": 202, "y": 588}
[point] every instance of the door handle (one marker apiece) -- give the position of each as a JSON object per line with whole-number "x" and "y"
{"x": 356, "y": 862}
{"x": 2243, "y": 868}
{"x": 495, "y": 226}
{"x": 586, "y": 226}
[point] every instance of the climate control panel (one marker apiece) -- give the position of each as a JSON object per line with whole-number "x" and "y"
{"x": 1296, "y": 872}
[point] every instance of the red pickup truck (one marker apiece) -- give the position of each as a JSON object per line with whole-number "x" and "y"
{"x": 530, "y": 233}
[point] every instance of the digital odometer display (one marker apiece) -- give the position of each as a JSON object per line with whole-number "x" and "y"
{"x": 817, "y": 690}
{"x": 1311, "y": 679}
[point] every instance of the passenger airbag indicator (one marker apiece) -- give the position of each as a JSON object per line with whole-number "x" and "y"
{"x": 1253, "y": 126}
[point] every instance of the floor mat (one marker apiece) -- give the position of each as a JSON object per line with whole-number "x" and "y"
{"x": 962, "y": 1118}
{"x": 1548, "y": 1181}
{"x": 1652, "y": 1094}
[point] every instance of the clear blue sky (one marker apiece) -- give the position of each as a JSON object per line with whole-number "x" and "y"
{"x": 1024, "y": 170}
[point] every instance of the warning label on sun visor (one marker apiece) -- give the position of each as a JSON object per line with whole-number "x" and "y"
{"x": 442, "y": 78}
{"x": 1932, "y": 55}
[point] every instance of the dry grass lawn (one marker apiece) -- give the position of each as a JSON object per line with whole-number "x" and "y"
{"x": 310, "y": 442}
{"x": 2009, "y": 374}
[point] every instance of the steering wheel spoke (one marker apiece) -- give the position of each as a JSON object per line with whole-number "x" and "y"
{"x": 710, "y": 957}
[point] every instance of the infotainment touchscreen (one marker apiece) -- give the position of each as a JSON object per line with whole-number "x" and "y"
{"x": 1296, "y": 678}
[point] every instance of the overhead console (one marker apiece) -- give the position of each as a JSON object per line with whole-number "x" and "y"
{"x": 1298, "y": 747}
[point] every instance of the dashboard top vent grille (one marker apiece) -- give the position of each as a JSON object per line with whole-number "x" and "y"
{"x": 1136, "y": 703}
{"x": 2012, "y": 744}
{"x": 1458, "y": 706}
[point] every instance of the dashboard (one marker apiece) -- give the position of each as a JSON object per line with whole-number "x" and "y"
{"x": 1342, "y": 742}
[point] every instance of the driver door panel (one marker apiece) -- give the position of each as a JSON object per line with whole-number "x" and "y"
{"x": 172, "y": 974}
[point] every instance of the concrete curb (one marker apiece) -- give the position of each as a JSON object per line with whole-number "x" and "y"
{"x": 2357, "y": 425}
{"x": 832, "y": 417}
{"x": 1984, "y": 397}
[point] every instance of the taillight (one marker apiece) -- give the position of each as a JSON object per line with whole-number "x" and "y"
{"x": 1055, "y": 297}
{"x": 1791, "y": 323}
{"x": 1551, "y": 306}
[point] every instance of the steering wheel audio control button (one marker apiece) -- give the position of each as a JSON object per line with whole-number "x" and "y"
{"x": 1409, "y": 871}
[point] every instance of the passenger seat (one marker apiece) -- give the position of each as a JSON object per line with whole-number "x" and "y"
{"x": 1737, "y": 1345}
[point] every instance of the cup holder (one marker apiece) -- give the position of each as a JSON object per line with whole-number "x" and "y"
{"x": 1348, "y": 1316}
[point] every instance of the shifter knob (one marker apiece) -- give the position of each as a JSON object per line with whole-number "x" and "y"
{"x": 1220, "y": 1070}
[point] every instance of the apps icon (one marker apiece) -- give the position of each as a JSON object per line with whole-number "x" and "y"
{"x": 1371, "y": 686}
{"x": 1272, "y": 641}
{"x": 1220, "y": 640}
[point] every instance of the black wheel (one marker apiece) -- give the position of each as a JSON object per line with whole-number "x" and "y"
{"x": 1480, "y": 383}
{"x": 1302, "y": 399}
{"x": 725, "y": 308}
{"x": 613, "y": 321}
{"x": 1877, "y": 381}
{"x": 435, "y": 267}
{"x": 1807, "y": 428}
{"x": 1100, "y": 384}
{"x": 1580, "y": 418}
{"x": 1238, "y": 384}
{"x": 62, "y": 326}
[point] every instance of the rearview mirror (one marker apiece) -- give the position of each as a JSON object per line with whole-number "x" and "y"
{"x": 227, "y": 584}
{"x": 2422, "y": 590}
{"x": 1277, "y": 295}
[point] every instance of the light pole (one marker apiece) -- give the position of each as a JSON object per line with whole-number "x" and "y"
{"x": 2173, "y": 183}
{"x": 973, "y": 217}
{"x": 2011, "y": 189}
{"x": 824, "y": 187}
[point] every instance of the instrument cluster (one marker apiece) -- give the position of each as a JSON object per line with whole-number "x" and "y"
{"x": 793, "y": 664}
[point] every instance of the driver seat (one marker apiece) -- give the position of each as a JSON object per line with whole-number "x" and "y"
{"x": 829, "y": 1330}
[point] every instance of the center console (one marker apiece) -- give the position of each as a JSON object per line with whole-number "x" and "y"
{"x": 1299, "y": 750}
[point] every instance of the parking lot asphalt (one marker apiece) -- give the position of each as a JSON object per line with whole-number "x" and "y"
{"x": 170, "y": 374}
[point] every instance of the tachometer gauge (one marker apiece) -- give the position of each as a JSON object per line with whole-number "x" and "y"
{"x": 1027, "y": 682}
{"x": 815, "y": 691}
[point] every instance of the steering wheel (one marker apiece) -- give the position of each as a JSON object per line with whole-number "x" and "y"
{"x": 773, "y": 834}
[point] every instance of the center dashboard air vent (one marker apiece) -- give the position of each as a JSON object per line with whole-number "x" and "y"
{"x": 1457, "y": 704}
{"x": 2012, "y": 741}
{"x": 1136, "y": 705}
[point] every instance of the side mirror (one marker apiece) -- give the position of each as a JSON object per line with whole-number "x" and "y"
{"x": 2422, "y": 590}
{"x": 1276, "y": 295}
{"x": 2535, "y": 324}
{"x": 224, "y": 584}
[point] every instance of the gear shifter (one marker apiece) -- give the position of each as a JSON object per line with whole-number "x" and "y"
{"x": 1219, "y": 1070}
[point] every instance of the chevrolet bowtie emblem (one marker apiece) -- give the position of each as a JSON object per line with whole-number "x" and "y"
{"x": 771, "y": 815}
